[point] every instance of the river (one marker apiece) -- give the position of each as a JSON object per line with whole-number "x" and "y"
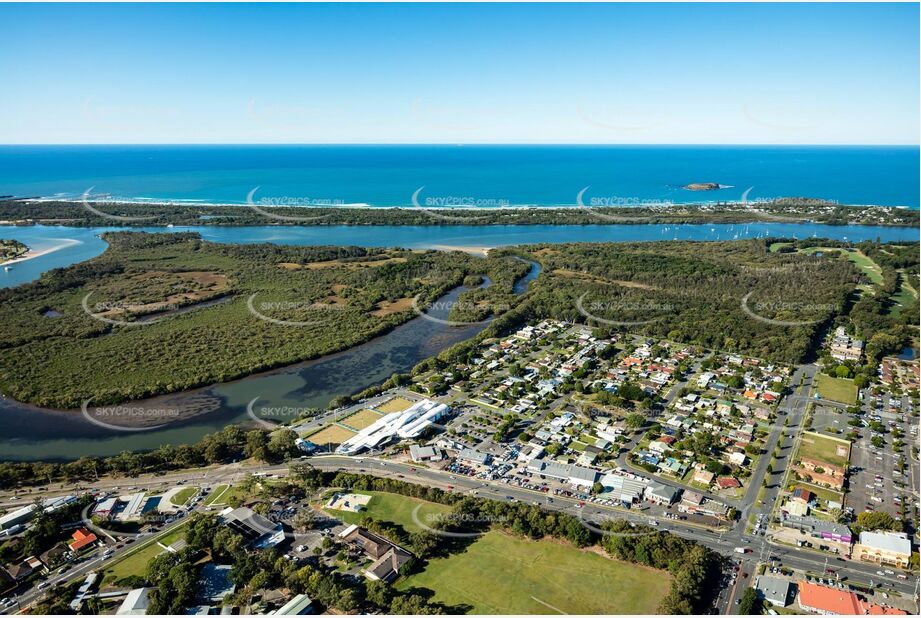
{"x": 69, "y": 245}
{"x": 35, "y": 433}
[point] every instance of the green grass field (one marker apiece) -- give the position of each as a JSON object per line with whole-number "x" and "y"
{"x": 394, "y": 508}
{"x": 181, "y": 497}
{"x": 836, "y": 389}
{"x": 859, "y": 259}
{"x": 216, "y": 495}
{"x": 501, "y": 574}
{"x": 135, "y": 563}
{"x": 823, "y": 448}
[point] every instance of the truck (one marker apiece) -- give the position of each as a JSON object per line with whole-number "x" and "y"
{"x": 742, "y": 550}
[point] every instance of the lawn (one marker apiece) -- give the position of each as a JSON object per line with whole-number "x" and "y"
{"x": 132, "y": 564}
{"x": 824, "y": 448}
{"x": 331, "y": 434}
{"x": 397, "y": 404}
{"x": 361, "y": 419}
{"x": 216, "y": 494}
{"x": 501, "y": 574}
{"x": 181, "y": 497}
{"x": 394, "y": 508}
{"x": 836, "y": 389}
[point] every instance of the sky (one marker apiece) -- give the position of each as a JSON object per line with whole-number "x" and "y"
{"x": 475, "y": 73}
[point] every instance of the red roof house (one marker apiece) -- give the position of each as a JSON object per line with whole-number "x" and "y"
{"x": 82, "y": 538}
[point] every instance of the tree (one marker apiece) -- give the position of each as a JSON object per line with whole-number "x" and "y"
{"x": 750, "y": 604}
{"x": 635, "y": 421}
{"x": 879, "y": 520}
{"x": 303, "y": 520}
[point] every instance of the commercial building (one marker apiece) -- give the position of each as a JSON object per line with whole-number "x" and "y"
{"x": 136, "y": 603}
{"x": 259, "y": 532}
{"x": 19, "y": 516}
{"x": 817, "y": 528}
{"x": 409, "y": 423}
{"x": 425, "y": 453}
{"x": 568, "y": 473}
{"x": 774, "y": 590}
{"x": 664, "y": 495}
{"x": 892, "y": 548}
{"x": 835, "y": 602}
{"x": 622, "y": 489}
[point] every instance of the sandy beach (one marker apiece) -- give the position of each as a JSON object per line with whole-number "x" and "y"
{"x": 34, "y": 253}
{"x": 483, "y": 251}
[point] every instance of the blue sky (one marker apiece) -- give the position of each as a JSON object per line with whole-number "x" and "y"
{"x": 622, "y": 73}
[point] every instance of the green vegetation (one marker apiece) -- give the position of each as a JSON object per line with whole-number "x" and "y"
{"x": 824, "y": 448}
{"x": 822, "y": 493}
{"x": 217, "y": 495}
{"x": 501, "y": 574}
{"x": 836, "y": 389}
{"x": 202, "y": 300}
{"x": 134, "y": 563}
{"x": 786, "y": 210}
{"x": 181, "y": 497}
{"x": 10, "y": 249}
{"x": 229, "y": 444}
{"x": 394, "y": 508}
{"x": 693, "y": 292}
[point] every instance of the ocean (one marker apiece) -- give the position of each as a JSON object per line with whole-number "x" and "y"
{"x": 484, "y": 176}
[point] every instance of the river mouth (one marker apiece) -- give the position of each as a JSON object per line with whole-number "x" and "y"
{"x": 33, "y": 433}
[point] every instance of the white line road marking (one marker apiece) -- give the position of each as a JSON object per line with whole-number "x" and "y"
{"x": 545, "y": 604}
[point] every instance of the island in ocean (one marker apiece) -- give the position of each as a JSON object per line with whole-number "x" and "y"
{"x": 703, "y": 186}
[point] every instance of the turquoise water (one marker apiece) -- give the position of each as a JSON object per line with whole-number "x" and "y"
{"x": 489, "y": 175}
{"x": 78, "y": 244}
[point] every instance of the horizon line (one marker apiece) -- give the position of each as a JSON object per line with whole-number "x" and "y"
{"x": 459, "y": 144}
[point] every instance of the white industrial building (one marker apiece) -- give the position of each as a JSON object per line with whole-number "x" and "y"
{"x": 409, "y": 423}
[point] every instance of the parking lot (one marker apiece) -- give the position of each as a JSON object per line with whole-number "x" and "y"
{"x": 876, "y": 482}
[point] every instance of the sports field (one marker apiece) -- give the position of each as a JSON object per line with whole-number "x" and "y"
{"x": 501, "y": 574}
{"x": 331, "y": 434}
{"x": 824, "y": 448}
{"x": 361, "y": 419}
{"x": 836, "y": 389}
{"x": 394, "y": 508}
{"x": 397, "y": 404}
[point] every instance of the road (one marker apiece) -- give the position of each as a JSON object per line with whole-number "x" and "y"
{"x": 723, "y": 541}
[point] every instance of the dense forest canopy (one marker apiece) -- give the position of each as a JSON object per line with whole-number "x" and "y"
{"x": 204, "y": 322}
